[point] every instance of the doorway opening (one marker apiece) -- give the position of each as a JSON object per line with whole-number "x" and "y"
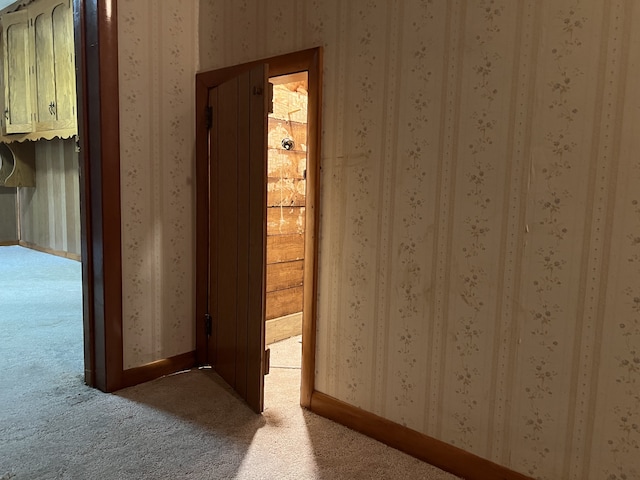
{"x": 286, "y": 206}
{"x": 40, "y": 188}
{"x": 256, "y": 238}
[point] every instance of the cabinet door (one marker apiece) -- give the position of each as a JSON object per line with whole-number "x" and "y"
{"x": 64, "y": 66}
{"x": 54, "y": 76}
{"x": 17, "y": 92}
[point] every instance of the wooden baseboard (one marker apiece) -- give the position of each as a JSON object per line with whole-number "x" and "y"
{"x": 58, "y": 253}
{"x": 160, "y": 368}
{"x": 9, "y": 243}
{"x": 440, "y": 454}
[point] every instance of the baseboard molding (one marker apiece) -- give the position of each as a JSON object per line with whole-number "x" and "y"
{"x": 160, "y": 368}
{"x": 58, "y": 253}
{"x": 9, "y": 243}
{"x": 440, "y": 454}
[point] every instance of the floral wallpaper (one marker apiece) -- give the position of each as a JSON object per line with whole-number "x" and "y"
{"x": 157, "y": 64}
{"x": 480, "y": 221}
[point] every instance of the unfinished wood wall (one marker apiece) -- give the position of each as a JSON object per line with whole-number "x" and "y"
{"x": 286, "y": 202}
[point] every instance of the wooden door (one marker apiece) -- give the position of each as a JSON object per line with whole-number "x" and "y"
{"x": 237, "y": 246}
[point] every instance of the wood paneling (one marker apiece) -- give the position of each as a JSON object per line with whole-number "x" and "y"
{"x": 285, "y": 192}
{"x": 283, "y": 302}
{"x": 238, "y": 177}
{"x": 281, "y": 276}
{"x": 285, "y": 220}
{"x": 285, "y": 248}
{"x": 279, "y": 129}
{"x": 282, "y": 328}
{"x": 8, "y": 218}
{"x": 50, "y": 212}
{"x": 286, "y": 163}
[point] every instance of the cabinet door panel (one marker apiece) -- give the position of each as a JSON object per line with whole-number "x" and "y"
{"x": 64, "y": 67}
{"x": 45, "y": 84}
{"x": 17, "y": 93}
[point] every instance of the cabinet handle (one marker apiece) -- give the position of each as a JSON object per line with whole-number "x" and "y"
{"x": 6, "y": 114}
{"x": 52, "y": 108}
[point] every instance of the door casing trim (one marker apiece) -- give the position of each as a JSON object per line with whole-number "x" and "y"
{"x": 96, "y": 47}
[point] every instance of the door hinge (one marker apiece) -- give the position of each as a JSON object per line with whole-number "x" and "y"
{"x": 208, "y": 117}
{"x": 208, "y": 324}
{"x": 267, "y": 361}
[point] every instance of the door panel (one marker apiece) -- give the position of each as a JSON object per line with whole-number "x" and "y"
{"x": 237, "y": 230}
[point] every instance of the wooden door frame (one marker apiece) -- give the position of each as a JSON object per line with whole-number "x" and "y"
{"x": 307, "y": 60}
{"x": 96, "y": 48}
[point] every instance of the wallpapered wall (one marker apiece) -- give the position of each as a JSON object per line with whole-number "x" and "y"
{"x": 480, "y": 231}
{"x": 157, "y": 64}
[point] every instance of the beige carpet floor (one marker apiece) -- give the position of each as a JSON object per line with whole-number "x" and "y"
{"x": 185, "y": 426}
{"x": 191, "y": 426}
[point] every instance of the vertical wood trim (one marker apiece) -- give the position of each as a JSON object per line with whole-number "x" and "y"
{"x": 202, "y": 218}
{"x": 97, "y": 55}
{"x": 110, "y": 154}
{"x": 244, "y": 224}
{"x": 258, "y": 105}
{"x": 213, "y": 244}
{"x": 88, "y": 317}
{"x": 310, "y": 281}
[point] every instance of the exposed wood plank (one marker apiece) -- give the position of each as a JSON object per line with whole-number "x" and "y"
{"x": 279, "y": 129}
{"x": 285, "y": 248}
{"x": 282, "y": 328}
{"x": 290, "y": 102}
{"x": 286, "y": 192}
{"x": 285, "y": 220}
{"x": 283, "y": 302}
{"x": 286, "y": 163}
{"x": 284, "y": 275}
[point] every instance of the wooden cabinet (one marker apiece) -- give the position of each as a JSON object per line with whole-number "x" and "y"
{"x": 16, "y": 79}
{"x": 53, "y": 78}
{"x": 39, "y": 71}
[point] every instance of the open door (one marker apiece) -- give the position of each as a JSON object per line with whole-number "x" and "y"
{"x": 231, "y": 197}
{"x": 237, "y": 247}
